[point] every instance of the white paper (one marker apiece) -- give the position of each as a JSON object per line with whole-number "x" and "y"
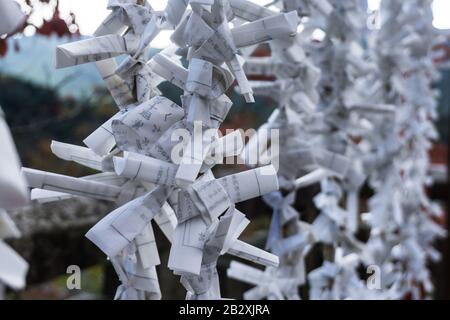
{"x": 13, "y": 187}
{"x": 11, "y": 17}
{"x": 13, "y": 268}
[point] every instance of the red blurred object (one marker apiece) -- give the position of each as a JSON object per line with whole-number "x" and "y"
{"x": 439, "y": 154}
{"x": 55, "y": 25}
{"x": 262, "y": 51}
{"x": 444, "y": 49}
{"x": 3, "y": 47}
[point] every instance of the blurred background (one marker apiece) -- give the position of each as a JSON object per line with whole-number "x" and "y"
{"x": 43, "y": 104}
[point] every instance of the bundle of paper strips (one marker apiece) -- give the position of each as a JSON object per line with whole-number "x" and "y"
{"x": 373, "y": 119}
{"x": 315, "y": 123}
{"x": 13, "y": 191}
{"x": 149, "y": 174}
{"x": 340, "y": 57}
{"x": 288, "y": 137}
{"x": 403, "y": 220}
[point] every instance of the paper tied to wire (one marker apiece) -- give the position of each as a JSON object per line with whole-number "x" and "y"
{"x": 320, "y": 116}
{"x": 134, "y": 149}
{"x": 209, "y": 37}
{"x": 137, "y": 283}
{"x": 200, "y": 208}
{"x": 283, "y": 213}
{"x": 269, "y": 284}
{"x": 336, "y": 280}
{"x": 206, "y": 285}
{"x": 396, "y": 211}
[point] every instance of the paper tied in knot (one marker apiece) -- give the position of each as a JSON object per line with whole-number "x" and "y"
{"x": 271, "y": 286}
{"x": 127, "y": 292}
{"x": 270, "y": 291}
{"x": 211, "y": 198}
{"x": 152, "y": 29}
{"x": 121, "y": 227}
{"x": 207, "y": 80}
{"x": 204, "y": 85}
{"x": 220, "y": 46}
{"x": 138, "y": 129}
{"x": 283, "y": 212}
{"x": 208, "y": 113}
{"x": 214, "y": 43}
{"x": 131, "y": 13}
{"x": 192, "y": 31}
{"x": 137, "y": 282}
{"x": 130, "y": 66}
{"x": 286, "y": 184}
{"x": 290, "y": 244}
{"x": 202, "y": 284}
{"x": 206, "y": 284}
